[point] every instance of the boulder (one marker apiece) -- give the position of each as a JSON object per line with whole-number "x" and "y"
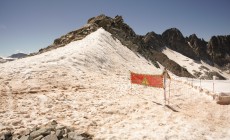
{"x": 60, "y": 133}
{"x": 8, "y": 136}
{"x": 50, "y": 137}
{"x": 49, "y": 131}
{"x": 25, "y": 138}
{"x": 223, "y": 99}
{"x": 74, "y": 136}
{"x": 39, "y": 137}
{"x": 42, "y": 131}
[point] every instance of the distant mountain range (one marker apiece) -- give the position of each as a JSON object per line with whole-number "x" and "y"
{"x": 18, "y": 55}
{"x": 215, "y": 52}
{"x": 12, "y": 57}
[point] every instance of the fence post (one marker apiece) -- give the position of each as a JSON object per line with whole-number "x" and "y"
{"x": 213, "y": 85}
{"x": 169, "y": 90}
{"x": 200, "y": 84}
{"x": 165, "y": 77}
{"x": 192, "y": 82}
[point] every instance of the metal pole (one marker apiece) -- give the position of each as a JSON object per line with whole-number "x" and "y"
{"x": 165, "y": 86}
{"x": 213, "y": 85}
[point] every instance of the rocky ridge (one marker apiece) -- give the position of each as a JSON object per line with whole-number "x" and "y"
{"x": 215, "y": 52}
{"x": 125, "y": 34}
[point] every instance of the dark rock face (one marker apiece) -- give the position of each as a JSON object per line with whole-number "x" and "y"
{"x": 199, "y": 46}
{"x": 218, "y": 49}
{"x": 174, "y": 39}
{"x": 154, "y": 41}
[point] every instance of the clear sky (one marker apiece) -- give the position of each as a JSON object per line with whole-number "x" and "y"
{"x": 28, "y": 25}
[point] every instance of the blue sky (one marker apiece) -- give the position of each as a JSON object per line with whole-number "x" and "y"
{"x": 28, "y": 25}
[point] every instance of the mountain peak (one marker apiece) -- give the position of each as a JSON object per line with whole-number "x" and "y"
{"x": 173, "y": 33}
{"x": 194, "y": 36}
{"x": 102, "y": 18}
{"x": 149, "y": 46}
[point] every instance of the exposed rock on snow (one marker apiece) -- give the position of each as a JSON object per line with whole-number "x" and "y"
{"x": 50, "y": 131}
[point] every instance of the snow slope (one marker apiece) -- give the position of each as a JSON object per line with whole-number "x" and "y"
{"x": 86, "y": 85}
{"x": 191, "y": 65}
{"x": 98, "y": 53}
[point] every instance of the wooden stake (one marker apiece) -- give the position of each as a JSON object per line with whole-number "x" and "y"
{"x": 213, "y": 85}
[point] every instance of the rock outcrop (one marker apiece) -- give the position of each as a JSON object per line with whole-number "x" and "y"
{"x": 154, "y": 41}
{"x": 69, "y": 37}
{"x": 218, "y": 49}
{"x": 50, "y": 131}
{"x": 199, "y": 46}
{"x": 174, "y": 39}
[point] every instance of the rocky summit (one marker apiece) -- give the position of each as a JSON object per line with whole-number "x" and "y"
{"x": 215, "y": 52}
